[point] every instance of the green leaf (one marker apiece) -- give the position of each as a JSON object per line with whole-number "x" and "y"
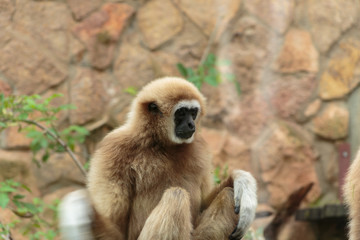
{"x": 2, "y": 124}
{"x": 4, "y": 200}
{"x": 196, "y": 80}
{"x": 131, "y": 90}
{"x": 31, "y": 208}
{"x": 182, "y": 70}
{"x": 238, "y": 87}
{"x": 25, "y": 187}
{"x": 18, "y": 196}
{"x": 210, "y": 79}
{"x": 210, "y": 60}
{"x": 7, "y": 189}
{"x": 45, "y": 157}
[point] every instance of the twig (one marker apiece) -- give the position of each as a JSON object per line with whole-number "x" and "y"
{"x": 8, "y": 235}
{"x": 60, "y": 141}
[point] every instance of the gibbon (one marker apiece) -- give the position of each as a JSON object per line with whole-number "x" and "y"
{"x": 352, "y": 198}
{"x": 152, "y": 178}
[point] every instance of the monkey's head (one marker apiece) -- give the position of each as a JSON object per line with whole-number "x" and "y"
{"x": 168, "y": 110}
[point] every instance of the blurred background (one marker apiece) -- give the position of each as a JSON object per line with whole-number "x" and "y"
{"x": 281, "y": 79}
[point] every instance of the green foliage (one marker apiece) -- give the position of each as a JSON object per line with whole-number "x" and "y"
{"x": 131, "y": 90}
{"x": 36, "y": 227}
{"x": 220, "y": 174}
{"x": 29, "y": 113}
{"x": 207, "y": 72}
{"x": 36, "y": 117}
{"x": 252, "y": 234}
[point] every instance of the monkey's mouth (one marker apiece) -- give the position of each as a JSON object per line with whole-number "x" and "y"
{"x": 184, "y": 134}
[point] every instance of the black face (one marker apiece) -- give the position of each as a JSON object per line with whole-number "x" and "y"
{"x": 184, "y": 122}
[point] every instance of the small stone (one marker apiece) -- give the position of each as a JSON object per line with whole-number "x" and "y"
{"x": 159, "y": 21}
{"x": 312, "y": 108}
{"x": 214, "y": 138}
{"x": 287, "y": 162}
{"x": 45, "y": 24}
{"x": 277, "y": 13}
{"x": 134, "y": 66}
{"x": 7, "y": 8}
{"x": 81, "y": 8}
{"x": 328, "y": 19}
{"x": 88, "y": 95}
{"x": 5, "y": 88}
{"x": 340, "y": 77}
{"x": 333, "y": 122}
{"x": 11, "y": 138}
{"x": 56, "y": 172}
{"x": 26, "y": 68}
{"x": 206, "y": 13}
{"x": 298, "y": 53}
{"x": 101, "y": 31}
{"x": 290, "y": 93}
{"x": 234, "y": 146}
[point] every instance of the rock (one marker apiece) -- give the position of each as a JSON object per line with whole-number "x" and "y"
{"x": 28, "y": 69}
{"x": 165, "y": 64}
{"x": 215, "y": 139}
{"x": 134, "y": 66}
{"x": 7, "y": 8}
{"x": 159, "y": 21}
{"x": 297, "y": 230}
{"x": 16, "y": 165}
{"x": 290, "y": 93}
{"x": 249, "y": 117}
{"x": 234, "y": 146}
{"x": 298, "y": 53}
{"x": 342, "y": 74}
{"x": 286, "y": 161}
{"x": 328, "y": 19}
{"x": 88, "y": 95}
{"x": 5, "y": 88}
{"x": 189, "y": 45}
{"x": 206, "y": 13}
{"x": 82, "y": 8}
{"x": 11, "y": 138}
{"x": 58, "y": 171}
{"x": 47, "y": 23}
{"x": 329, "y": 165}
{"x": 332, "y": 122}
{"x": 313, "y": 108}
{"x": 277, "y": 13}
{"x": 249, "y": 51}
{"x": 101, "y": 31}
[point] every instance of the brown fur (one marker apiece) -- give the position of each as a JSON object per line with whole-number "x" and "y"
{"x": 138, "y": 177}
{"x": 352, "y": 198}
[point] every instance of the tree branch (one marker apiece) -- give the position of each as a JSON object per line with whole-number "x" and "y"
{"x": 61, "y": 142}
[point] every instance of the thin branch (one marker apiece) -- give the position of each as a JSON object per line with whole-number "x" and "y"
{"x": 60, "y": 141}
{"x": 210, "y": 42}
{"x": 8, "y": 235}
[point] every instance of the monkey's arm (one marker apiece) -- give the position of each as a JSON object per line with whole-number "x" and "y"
{"x": 245, "y": 198}
{"x": 245, "y": 201}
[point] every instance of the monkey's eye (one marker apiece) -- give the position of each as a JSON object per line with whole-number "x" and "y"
{"x": 194, "y": 112}
{"x": 153, "y": 107}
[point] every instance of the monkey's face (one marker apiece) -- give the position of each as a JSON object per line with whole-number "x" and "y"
{"x": 169, "y": 110}
{"x": 184, "y": 116}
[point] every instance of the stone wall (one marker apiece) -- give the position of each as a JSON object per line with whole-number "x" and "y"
{"x": 298, "y": 64}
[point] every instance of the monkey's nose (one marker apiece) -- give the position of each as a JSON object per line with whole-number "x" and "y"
{"x": 191, "y": 125}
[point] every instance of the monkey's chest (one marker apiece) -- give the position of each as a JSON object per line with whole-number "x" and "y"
{"x": 150, "y": 184}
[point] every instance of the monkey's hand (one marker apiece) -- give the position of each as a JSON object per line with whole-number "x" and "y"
{"x": 245, "y": 202}
{"x": 76, "y": 216}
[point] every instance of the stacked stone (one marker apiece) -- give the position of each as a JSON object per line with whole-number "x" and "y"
{"x": 298, "y": 64}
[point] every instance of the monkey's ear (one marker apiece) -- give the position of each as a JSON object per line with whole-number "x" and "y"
{"x": 153, "y": 108}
